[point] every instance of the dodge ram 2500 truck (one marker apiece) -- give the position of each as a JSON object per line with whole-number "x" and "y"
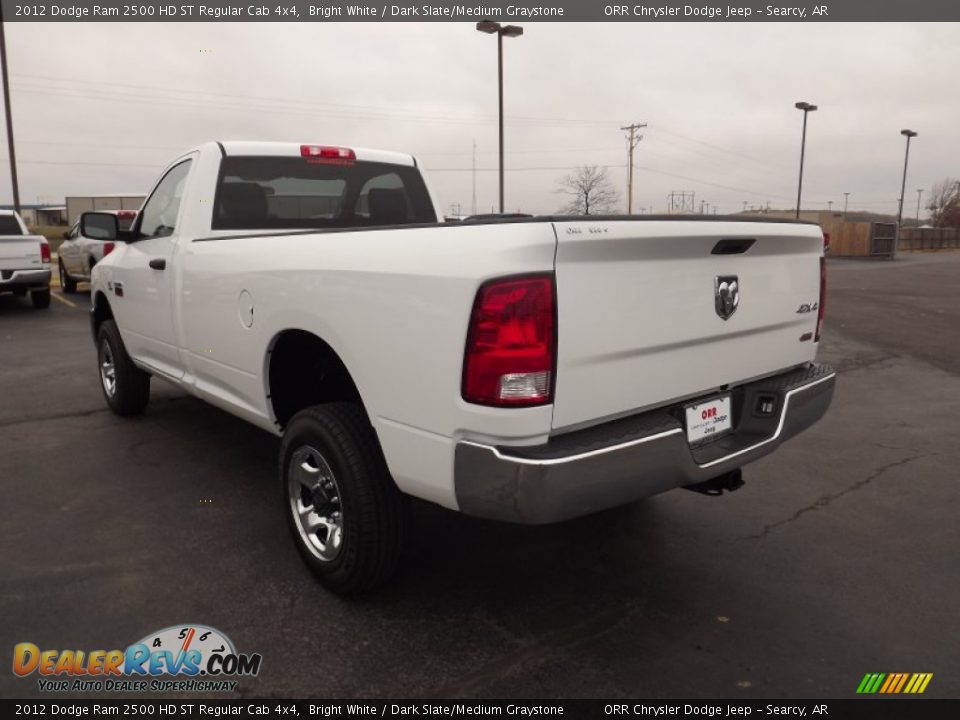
{"x": 526, "y": 369}
{"x": 24, "y": 261}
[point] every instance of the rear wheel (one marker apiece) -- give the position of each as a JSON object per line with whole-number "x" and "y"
{"x": 67, "y": 283}
{"x": 125, "y": 386}
{"x": 347, "y": 517}
{"x": 40, "y": 298}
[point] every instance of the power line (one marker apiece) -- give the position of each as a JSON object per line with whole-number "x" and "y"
{"x": 289, "y": 107}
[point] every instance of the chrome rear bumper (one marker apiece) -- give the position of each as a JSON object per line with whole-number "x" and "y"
{"x": 24, "y": 279}
{"x": 623, "y": 461}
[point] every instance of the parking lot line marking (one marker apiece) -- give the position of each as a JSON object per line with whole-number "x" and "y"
{"x": 62, "y": 299}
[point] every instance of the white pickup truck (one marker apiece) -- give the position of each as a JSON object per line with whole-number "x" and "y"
{"x": 78, "y": 253}
{"x": 529, "y": 369}
{"x": 24, "y": 261}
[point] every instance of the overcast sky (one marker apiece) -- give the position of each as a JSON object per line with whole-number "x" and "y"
{"x": 101, "y": 108}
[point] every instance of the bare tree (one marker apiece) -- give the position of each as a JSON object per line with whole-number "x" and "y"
{"x": 944, "y": 203}
{"x": 589, "y": 191}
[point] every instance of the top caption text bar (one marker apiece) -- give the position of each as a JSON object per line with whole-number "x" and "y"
{"x": 519, "y": 11}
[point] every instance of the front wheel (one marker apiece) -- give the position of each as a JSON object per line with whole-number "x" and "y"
{"x": 125, "y": 386}
{"x": 67, "y": 283}
{"x": 347, "y": 517}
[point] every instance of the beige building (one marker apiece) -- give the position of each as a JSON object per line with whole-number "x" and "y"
{"x": 77, "y": 204}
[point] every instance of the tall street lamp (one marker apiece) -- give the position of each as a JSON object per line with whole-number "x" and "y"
{"x": 495, "y": 28}
{"x": 903, "y": 188}
{"x": 807, "y": 108}
{"x": 846, "y": 201}
{"x": 15, "y": 185}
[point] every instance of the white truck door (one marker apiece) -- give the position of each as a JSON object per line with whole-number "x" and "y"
{"x": 67, "y": 253}
{"x": 143, "y": 284}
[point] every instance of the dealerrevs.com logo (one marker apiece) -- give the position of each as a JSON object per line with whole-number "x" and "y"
{"x": 178, "y": 658}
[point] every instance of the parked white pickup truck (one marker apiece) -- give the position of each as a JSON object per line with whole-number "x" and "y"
{"x": 78, "y": 254}
{"x": 530, "y": 369}
{"x": 24, "y": 261}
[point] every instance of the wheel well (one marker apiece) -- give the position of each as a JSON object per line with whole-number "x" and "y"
{"x": 101, "y": 312}
{"x": 304, "y": 371}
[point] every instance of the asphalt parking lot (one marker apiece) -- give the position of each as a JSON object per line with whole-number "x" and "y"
{"x": 838, "y": 558}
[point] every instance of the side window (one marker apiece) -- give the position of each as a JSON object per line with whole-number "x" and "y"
{"x": 160, "y": 213}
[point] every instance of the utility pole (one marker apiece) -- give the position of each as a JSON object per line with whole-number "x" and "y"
{"x": 846, "y": 199}
{"x": 6, "y": 106}
{"x": 473, "y": 199}
{"x": 744, "y": 205}
{"x": 919, "y": 193}
{"x": 830, "y": 206}
{"x": 683, "y": 201}
{"x": 632, "y": 139}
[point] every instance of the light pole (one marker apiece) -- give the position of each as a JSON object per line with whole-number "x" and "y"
{"x": 919, "y": 193}
{"x": 6, "y": 106}
{"x": 807, "y": 108}
{"x": 495, "y": 28}
{"x": 846, "y": 199}
{"x": 903, "y": 188}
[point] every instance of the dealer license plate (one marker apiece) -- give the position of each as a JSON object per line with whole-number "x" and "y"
{"x": 708, "y": 418}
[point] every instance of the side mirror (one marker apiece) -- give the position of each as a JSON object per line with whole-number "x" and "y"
{"x": 99, "y": 226}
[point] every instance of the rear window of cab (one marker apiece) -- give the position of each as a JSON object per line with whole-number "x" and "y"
{"x": 264, "y": 193}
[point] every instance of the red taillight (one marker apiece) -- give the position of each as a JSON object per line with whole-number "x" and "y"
{"x": 826, "y": 241}
{"x": 45, "y": 252}
{"x": 509, "y": 359}
{"x": 823, "y": 298}
{"x": 108, "y": 248}
{"x": 325, "y": 154}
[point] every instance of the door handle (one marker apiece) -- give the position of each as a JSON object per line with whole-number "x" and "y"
{"x": 158, "y": 264}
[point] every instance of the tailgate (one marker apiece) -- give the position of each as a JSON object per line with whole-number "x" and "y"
{"x": 20, "y": 252}
{"x": 638, "y": 319}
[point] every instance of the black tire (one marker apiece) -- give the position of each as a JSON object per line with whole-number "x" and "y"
{"x": 40, "y": 298}
{"x": 373, "y": 512}
{"x": 131, "y": 385}
{"x": 67, "y": 283}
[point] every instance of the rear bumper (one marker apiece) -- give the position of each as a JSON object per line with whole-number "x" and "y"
{"x": 24, "y": 279}
{"x": 632, "y": 458}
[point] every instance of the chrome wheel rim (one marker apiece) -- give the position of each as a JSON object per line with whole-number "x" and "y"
{"x": 315, "y": 503}
{"x": 108, "y": 371}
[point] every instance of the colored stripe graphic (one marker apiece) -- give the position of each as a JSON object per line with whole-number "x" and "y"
{"x": 903, "y": 679}
{"x": 894, "y": 683}
{"x": 891, "y": 680}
